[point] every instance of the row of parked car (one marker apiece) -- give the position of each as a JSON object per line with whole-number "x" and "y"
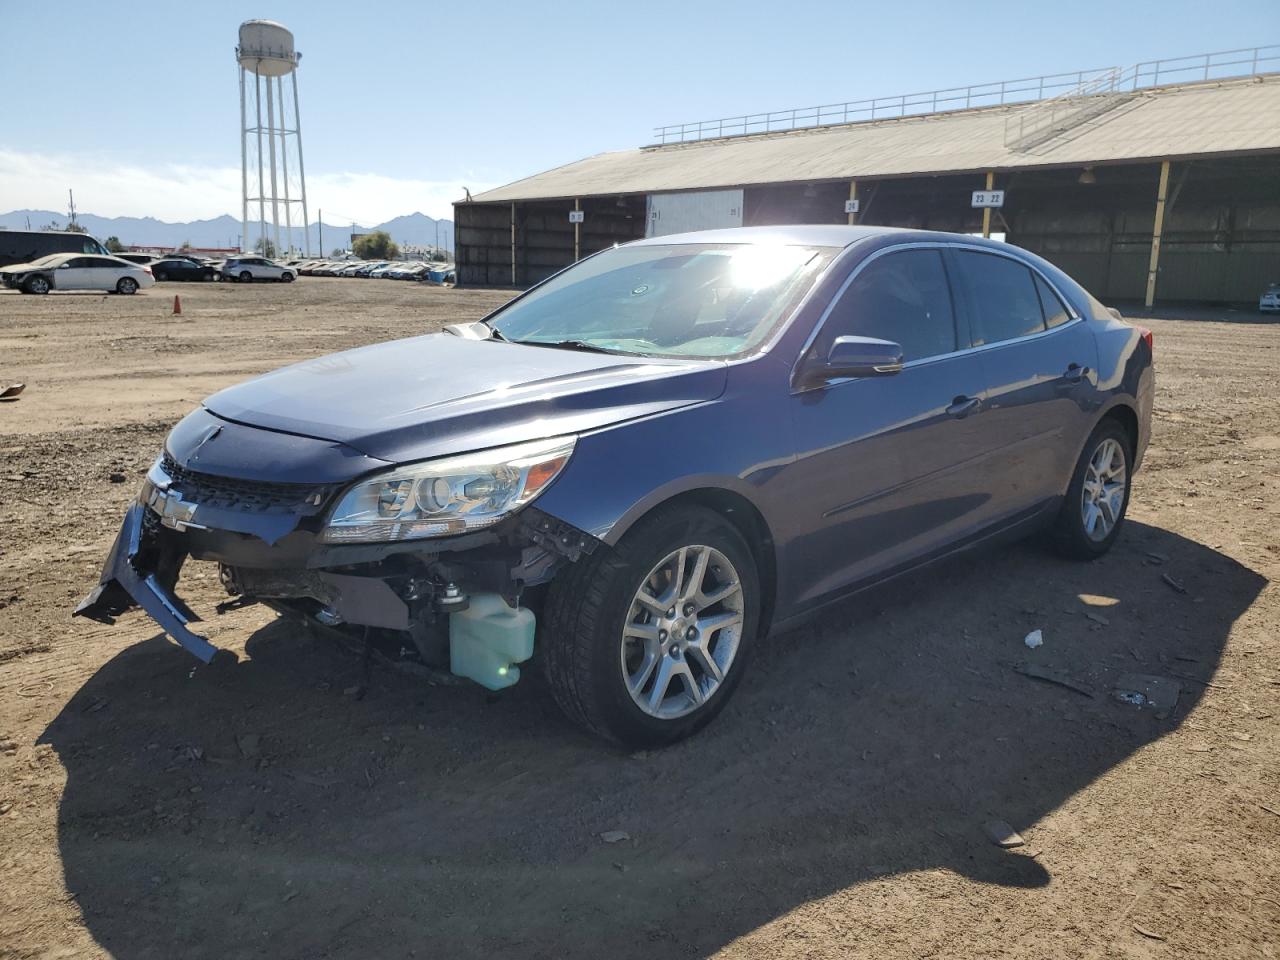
{"x": 435, "y": 273}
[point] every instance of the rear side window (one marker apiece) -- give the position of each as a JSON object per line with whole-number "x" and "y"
{"x": 1055, "y": 313}
{"x": 903, "y": 297}
{"x": 1003, "y": 293}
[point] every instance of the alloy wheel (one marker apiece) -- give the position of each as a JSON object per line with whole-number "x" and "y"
{"x": 1102, "y": 495}
{"x": 682, "y": 632}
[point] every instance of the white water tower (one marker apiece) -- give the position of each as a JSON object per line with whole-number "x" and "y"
{"x": 266, "y": 56}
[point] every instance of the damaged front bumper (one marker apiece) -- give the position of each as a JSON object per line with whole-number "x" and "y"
{"x": 421, "y": 589}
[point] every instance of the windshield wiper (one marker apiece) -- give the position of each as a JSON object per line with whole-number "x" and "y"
{"x": 567, "y": 345}
{"x": 494, "y": 332}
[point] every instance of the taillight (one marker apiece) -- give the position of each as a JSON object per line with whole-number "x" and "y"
{"x": 1148, "y": 339}
{"x": 146, "y": 269}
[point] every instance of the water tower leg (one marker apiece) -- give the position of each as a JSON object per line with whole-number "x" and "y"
{"x": 284, "y": 165}
{"x": 271, "y": 148}
{"x": 302, "y": 170}
{"x": 244, "y": 169}
{"x": 262, "y": 191}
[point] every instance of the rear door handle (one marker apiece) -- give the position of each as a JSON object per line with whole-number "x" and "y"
{"x": 961, "y": 407}
{"x": 1075, "y": 373}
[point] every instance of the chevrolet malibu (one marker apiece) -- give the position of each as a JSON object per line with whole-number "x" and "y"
{"x": 638, "y": 468}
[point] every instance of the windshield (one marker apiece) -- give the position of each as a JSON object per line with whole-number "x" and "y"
{"x": 688, "y": 299}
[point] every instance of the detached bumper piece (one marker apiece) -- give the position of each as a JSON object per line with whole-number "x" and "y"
{"x": 127, "y": 581}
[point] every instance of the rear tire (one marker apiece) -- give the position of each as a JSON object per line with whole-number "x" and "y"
{"x": 161, "y": 277}
{"x": 637, "y": 675}
{"x": 1098, "y": 497}
{"x": 127, "y": 286}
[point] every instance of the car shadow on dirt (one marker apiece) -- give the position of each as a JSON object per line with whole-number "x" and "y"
{"x": 267, "y": 811}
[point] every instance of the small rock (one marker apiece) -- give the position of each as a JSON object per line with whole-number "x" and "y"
{"x": 1003, "y": 835}
{"x": 615, "y": 836}
{"x": 5, "y": 808}
{"x": 1098, "y": 618}
{"x": 351, "y": 691}
{"x": 117, "y": 477}
{"x": 1034, "y": 639}
{"x": 249, "y": 744}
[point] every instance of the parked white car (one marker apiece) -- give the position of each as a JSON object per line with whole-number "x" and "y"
{"x": 74, "y": 271}
{"x": 1269, "y": 302}
{"x": 257, "y": 268}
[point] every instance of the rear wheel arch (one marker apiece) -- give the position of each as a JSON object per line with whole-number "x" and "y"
{"x": 1127, "y": 417}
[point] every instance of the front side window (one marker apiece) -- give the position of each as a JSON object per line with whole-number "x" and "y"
{"x": 903, "y": 297}
{"x": 1003, "y": 297}
{"x": 691, "y": 300}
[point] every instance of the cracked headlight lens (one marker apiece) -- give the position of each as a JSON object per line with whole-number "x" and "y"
{"x": 443, "y": 497}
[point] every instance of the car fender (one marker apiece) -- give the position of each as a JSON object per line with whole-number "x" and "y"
{"x": 618, "y": 474}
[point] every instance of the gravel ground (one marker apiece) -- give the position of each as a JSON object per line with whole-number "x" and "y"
{"x": 838, "y": 808}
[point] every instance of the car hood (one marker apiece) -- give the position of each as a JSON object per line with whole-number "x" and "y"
{"x": 439, "y": 394}
{"x": 22, "y": 268}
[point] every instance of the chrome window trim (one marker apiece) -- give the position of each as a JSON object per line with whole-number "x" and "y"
{"x": 930, "y": 245}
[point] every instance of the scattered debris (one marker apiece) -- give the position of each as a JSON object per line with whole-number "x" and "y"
{"x": 1270, "y": 809}
{"x": 1155, "y": 559}
{"x": 615, "y": 836}
{"x": 248, "y": 744}
{"x": 1146, "y": 690}
{"x": 11, "y": 391}
{"x": 1050, "y": 675}
{"x": 116, "y": 477}
{"x": 5, "y": 807}
{"x": 1149, "y": 934}
{"x": 97, "y": 704}
{"x": 1034, "y": 639}
{"x": 1175, "y": 584}
{"x": 1003, "y": 835}
{"x": 1098, "y": 618}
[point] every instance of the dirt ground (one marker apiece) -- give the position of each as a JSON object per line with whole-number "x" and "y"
{"x": 150, "y": 808}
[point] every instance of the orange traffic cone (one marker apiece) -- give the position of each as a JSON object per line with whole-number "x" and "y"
{"x": 177, "y": 306}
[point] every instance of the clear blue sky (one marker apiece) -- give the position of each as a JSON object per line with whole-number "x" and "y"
{"x": 418, "y": 99}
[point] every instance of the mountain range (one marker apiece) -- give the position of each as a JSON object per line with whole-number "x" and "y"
{"x": 415, "y": 229}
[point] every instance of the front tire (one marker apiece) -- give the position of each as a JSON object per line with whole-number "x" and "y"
{"x": 127, "y": 285}
{"x": 245, "y": 276}
{"x": 36, "y": 285}
{"x": 286, "y": 278}
{"x": 645, "y": 643}
{"x": 1098, "y": 497}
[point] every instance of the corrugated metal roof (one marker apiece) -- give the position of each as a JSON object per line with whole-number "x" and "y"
{"x": 1186, "y": 120}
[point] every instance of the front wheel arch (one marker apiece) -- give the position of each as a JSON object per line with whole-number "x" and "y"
{"x": 746, "y": 519}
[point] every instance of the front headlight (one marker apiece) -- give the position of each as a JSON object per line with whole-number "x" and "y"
{"x": 448, "y": 496}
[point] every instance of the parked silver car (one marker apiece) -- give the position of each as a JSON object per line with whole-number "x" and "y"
{"x": 73, "y": 271}
{"x": 257, "y": 268}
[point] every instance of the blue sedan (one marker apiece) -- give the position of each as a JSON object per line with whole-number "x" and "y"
{"x": 636, "y": 469}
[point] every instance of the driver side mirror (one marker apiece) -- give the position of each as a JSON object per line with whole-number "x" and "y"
{"x": 63, "y": 266}
{"x": 857, "y": 357}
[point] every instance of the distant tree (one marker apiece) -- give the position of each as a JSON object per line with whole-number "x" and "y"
{"x": 114, "y": 245}
{"x": 75, "y": 228}
{"x": 375, "y": 246}
{"x": 338, "y": 252}
{"x": 265, "y": 248}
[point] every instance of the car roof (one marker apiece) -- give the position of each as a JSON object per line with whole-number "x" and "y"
{"x": 816, "y": 235}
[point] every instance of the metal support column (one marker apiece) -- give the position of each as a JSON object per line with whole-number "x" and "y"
{"x": 1161, "y": 195}
{"x": 284, "y": 166}
{"x": 513, "y": 244}
{"x": 853, "y": 195}
{"x": 271, "y": 150}
{"x": 302, "y": 169}
{"x": 986, "y": 211}
{"x": 244, "y": 170}
{"x": 262, "y": 190}
{"x": 577, "y": 232}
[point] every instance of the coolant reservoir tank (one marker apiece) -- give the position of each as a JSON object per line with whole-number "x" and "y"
{"x": 488, "y": 639}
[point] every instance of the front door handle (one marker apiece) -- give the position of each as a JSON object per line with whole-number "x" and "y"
{"x": 1075, "y": 373}
{"x": 961, "y": 407}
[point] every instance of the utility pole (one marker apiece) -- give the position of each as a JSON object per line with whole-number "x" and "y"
{"x": 320, "y": 227}
{"x": 71, "y": 213}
